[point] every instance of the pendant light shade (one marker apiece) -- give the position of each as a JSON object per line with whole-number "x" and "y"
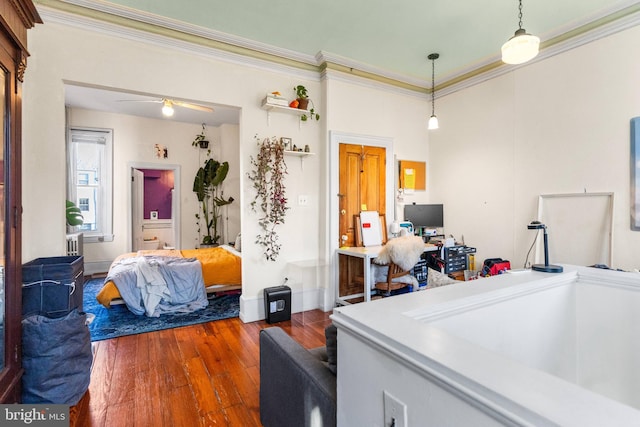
{"x": 433, "y": 120}
{"x": 522, "y": 47}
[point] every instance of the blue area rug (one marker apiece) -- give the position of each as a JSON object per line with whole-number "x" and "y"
{"x": 118, "y": 321}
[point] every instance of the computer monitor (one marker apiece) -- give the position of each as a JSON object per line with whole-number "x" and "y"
{"x": 424, "y": 216}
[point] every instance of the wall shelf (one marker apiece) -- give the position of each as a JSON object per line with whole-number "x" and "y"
{"x": 300, "y": 154}
{"x": 281, "y": 109}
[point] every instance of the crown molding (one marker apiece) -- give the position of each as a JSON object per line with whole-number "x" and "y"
{"x": 330, "y": 72}
{"x": 351, "y": 66}
{"x": 173, "y": 27}
{"x": 120, "y": 21}
{"x": 187, "y": 43}
{"x": 614, "y": 22}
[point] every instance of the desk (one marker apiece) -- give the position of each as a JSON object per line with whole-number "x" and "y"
{"x": 367, "y": 254}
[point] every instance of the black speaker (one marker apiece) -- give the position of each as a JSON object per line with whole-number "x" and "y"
{"x": 277, "y": 304}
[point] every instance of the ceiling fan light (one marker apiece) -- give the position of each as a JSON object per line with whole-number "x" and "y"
{"x": 167, "y": 109}
{"x": 520, "y": 48}
{"x": 433, "y": 122}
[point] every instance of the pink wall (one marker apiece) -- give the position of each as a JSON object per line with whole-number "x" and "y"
{"x": 157, "y": 192}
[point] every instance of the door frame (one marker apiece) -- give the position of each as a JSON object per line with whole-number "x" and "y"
{"x": 137, "y": 206}
{"x": 335, "y": 138}
{"x": 175, "y": 206}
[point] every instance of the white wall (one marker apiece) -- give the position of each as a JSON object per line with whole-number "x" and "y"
{"x": 60, "y": 53}
{"x": 134, "y": 140}
{"x": 230, "y": 153}
{"x": 375, "y": 110}
{"x": 382, "y": 112}
{"x": 560, "y": 125}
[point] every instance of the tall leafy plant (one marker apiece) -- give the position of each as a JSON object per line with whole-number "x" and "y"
{"x": 267, "y": 174}
{"x": 73, "y": 214}
{"x": 206, "y": 185}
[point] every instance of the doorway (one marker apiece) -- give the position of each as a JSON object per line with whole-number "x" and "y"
{"x": 333, "y": 232}
{"x": 153, "y": 214}
{"x": 362, "y": 186}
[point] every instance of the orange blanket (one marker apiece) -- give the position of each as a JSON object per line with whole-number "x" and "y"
{"x": 219, "y": 267}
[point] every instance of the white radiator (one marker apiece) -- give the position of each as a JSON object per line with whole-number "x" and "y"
{"x": 74, "y": 244}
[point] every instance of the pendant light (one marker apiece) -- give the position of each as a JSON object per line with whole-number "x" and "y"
{"x": 433, "y": 120}
{"x": 522, "y": 47}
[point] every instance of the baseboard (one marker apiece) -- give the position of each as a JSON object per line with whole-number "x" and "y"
{"x": 252, "y": 307}
{"x": 91, "y": 268}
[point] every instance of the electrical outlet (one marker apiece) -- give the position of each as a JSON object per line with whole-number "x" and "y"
{"x": 303, "y": 200}
{"x": 395, "y": 412}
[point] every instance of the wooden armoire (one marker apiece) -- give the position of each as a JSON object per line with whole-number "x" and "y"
{"x": 16, "y": 17}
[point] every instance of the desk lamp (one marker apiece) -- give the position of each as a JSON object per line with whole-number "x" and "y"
{"x": 547, "y": 268}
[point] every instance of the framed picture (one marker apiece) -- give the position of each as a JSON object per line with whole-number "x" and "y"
{"x": 286, "y": 142}
{"x": 161, "y": 151}
{"x": 635, "y": 174}
{"x": 153, "y": 215}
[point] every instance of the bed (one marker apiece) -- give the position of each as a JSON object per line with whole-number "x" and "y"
{"x": 221, "y": 269}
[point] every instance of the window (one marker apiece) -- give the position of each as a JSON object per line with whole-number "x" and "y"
{"x": 83, "y": 204}
{"x": 90, "y": 153}
{"x": 83, "y": 178}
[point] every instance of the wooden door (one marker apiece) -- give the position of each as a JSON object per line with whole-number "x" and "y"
{"x": 361, "y": 187}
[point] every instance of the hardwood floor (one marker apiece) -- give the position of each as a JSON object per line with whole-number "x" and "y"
{"x": 200, "y": 375}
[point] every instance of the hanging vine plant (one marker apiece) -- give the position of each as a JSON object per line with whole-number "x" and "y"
{"x": 267, "y": 174}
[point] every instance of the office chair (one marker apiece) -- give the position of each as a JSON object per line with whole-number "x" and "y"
{"x": 393, "y": 272}
{"x": 400, "y": 255}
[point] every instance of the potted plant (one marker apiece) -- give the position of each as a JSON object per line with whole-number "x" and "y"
{"x": 267, "y": 174}
{"x": 201, "y": 139}
{"x": 206, "y": 185}
{"x": 74, "y": 214}
{"x": 303, "y": 102}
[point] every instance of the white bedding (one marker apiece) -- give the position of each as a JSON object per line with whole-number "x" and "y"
{"x": 153, "y": 285}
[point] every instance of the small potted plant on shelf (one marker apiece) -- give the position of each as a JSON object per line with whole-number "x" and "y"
{"x": 201, "y": 139}
{"x": 303, "y": 102}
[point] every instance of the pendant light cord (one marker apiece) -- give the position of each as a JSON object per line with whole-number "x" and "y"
{"x": 520, "y": 15}
{"x": 433, "y": 57}
{"x": 433, "y": 87}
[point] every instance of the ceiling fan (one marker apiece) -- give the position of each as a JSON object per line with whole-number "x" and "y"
{"x": 168, "y": 104}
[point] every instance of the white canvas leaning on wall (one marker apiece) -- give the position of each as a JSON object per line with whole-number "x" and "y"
{"x": 371, "y": 231}
{"x": 579, "y": 227}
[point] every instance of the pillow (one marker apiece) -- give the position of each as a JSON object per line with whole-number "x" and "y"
{"x": 436, "y": 279}
{"x": 331, "y": 335}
